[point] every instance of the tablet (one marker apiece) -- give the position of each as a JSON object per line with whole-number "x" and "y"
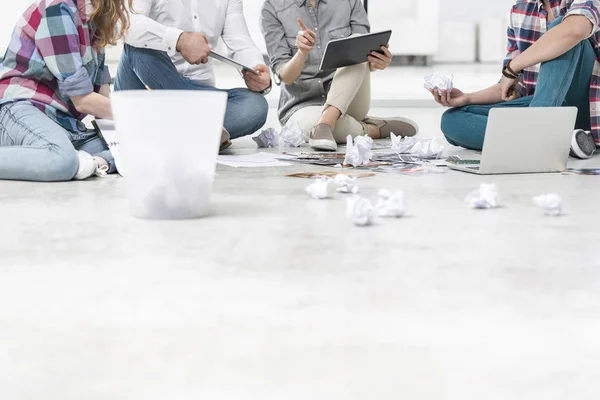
{"x": 231, "y": 62}
{"x": 353, "y": 50}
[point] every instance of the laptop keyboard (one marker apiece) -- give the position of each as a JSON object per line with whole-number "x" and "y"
{"x": 458, "y": 161}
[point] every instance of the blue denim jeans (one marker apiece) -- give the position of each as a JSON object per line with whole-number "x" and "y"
{"x": 35, "y": 148}
{"x": 246, "y": 111}
{"x": 564, "y": 81}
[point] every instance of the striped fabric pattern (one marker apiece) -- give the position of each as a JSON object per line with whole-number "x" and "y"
{"x": 51, "y": 57}
{"x": 528, "y": 23}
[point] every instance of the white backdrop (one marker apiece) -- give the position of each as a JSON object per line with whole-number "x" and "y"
{"x": 456, "y": 10}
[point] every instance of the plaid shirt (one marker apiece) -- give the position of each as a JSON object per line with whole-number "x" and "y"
{"x": 528, "y": 23}
{"x": 51, "y": 58}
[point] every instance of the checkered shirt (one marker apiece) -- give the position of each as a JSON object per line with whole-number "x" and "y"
{"x": 51, "y": 58}
{"x": 528, "y": 23}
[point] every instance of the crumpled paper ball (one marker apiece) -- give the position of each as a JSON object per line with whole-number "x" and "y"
{"x": 550, "y": 203}
{"x": 402, "y": 145}
{"x": 267, "y": 139}
{"x": 428, "y": 149}
{"x": 360, "y": 211}
{"x": 359, "y": 151}
{"x": 439, "y": 81}
{"x": 291, "y": 135}
{"x": 319, "y": 189}
{"x": 486, "y": 197}
{"x": 390, "y": 204}
{"x": 346, "y": 184}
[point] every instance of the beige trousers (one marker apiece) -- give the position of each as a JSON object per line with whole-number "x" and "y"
{"x": 350, "y": 93}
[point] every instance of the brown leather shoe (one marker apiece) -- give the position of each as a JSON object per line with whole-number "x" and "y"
{"x": 225, "y": 140}
{"x": 400, "y": 126}
{"x": 321, "y": 138}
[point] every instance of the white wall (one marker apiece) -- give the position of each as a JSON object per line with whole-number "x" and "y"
{"x": 455, "y": 10}
{"x": 473, "y": 10}
{"x": 10, "y": 11}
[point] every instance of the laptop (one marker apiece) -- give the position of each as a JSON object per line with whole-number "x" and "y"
{"x": 523, "y": 140}
{"x": 353, "y": 50}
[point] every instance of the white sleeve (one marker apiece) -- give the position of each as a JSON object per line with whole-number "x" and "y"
{"x": 237, "y": 38}
{"x": 144, "y": 32}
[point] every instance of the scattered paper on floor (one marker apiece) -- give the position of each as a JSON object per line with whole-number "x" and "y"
{"x": 402, "y": 145}
{"x": 360, "y": 211}
{"x": 346, "y": 184}
{"x": 427, "y": 149}
{"x": 269, "y": 138}
{"x": 390, "y": 204}
{"x": 256, "y": 160}
{"x": 486, "y": 197}
{"x": 551, "y": 204}
{"x": 319, "y": 189}
{"x": 358, "y": 151}
{"x": 291, "y": 135}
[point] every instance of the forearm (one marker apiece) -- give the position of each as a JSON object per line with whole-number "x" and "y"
{"x": 554, "y": 43}
{"x": 93, "y": 104}
{"x": 491, "y": 95}
{"x": 237, "y": 38}
{"x": 147, "y": 33}
{"x": 293, "y": 68}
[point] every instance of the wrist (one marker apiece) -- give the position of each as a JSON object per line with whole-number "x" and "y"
{"x": 468, "y": 99}
{"x": 180, "y": 41}
{"x": 513, "y": 68}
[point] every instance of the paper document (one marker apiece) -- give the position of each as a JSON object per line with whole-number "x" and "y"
{"x": 257, "y": 160}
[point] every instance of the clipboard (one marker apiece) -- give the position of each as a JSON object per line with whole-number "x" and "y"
{"x": 353, "y": 50}
{"x": 233, "y": 63}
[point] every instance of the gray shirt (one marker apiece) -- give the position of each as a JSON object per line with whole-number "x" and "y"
{"x": 331, "y": 19}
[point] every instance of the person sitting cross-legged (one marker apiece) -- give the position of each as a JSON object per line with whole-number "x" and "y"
{"x": 553, "y": 60}
{"x": 52, "y": 76}
{"x": 167, "y": 47}
{"x": 328, "y": 105}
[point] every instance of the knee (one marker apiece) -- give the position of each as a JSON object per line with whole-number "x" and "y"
{"x": 262, "y": 106}
{"x": 450, "y": 125}
{"x": 133, "y": 54}
{"x": 257, "y": 108}
{"x": 448, "y": 120}
{"x": 60, "y": 165}
{"x": 353, "y": 69}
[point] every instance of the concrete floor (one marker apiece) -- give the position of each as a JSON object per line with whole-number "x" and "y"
{"x": 279, "y": 297}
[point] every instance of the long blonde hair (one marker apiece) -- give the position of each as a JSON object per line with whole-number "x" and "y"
{"x": 111, "y": 18}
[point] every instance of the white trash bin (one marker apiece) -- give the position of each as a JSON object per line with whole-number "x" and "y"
{"x": 169, "y": 141}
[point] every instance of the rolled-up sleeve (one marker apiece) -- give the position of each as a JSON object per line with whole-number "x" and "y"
{"x": 237, "y": 37}
{"x": 145, "y": 33}
{"x": 274, "y": 33}
{"x": 512, "y": 51}
{"x": 57, "y": 41}
{"x": 359, "y": 21}
{"x": 588, "y": 9}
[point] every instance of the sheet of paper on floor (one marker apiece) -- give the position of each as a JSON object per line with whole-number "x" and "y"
{"x": 256, "y": 160}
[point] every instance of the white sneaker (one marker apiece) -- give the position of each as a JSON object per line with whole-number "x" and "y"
{"x": 582, "y": 144}
{"x": 88, "y": 166}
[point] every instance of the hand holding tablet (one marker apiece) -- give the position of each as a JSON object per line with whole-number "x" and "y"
{"x": 357, "y": 50}
{"x": 233, "y": 63}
